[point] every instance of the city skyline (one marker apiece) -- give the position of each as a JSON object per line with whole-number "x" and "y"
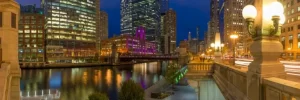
{"x": 189, "y": 15}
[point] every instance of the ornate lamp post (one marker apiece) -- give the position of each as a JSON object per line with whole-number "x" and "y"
{"x": 234, "y": 37}
{"x": 222, "y": 46}
{"x": 264, "y": 25}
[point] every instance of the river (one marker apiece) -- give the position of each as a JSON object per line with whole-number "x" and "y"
{"x": 78, "y": 83}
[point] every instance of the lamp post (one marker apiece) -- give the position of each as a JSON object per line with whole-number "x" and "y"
{"x": 264, "y": 21}
{"x": 234, "y": 37}
{"x": 290, "y": 53}
{"x": 222, "y": 46}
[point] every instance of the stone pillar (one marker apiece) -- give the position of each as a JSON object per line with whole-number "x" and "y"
{"x": 265, "y": 49}
{"x": 10, "y": 70}
{"x": 218, "y": 56}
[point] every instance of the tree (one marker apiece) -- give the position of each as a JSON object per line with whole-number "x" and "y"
{"x": 98, "y": 96}
{"x": 131, "y": 91}
{"x": 172, "y": 74}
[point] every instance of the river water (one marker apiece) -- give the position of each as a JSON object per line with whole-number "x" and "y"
{"x": 78, "y": 83}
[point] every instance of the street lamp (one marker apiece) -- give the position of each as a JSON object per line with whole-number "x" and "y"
{"x": 222, "y": 47}
{"x": 264, "y": 26}
{"x": 234, "y": 37}
{"x": 275, "y": 14}
{"x": 212, "y": 45}
{"x": 290, "y": 53}
{"x": 209, "y": 51}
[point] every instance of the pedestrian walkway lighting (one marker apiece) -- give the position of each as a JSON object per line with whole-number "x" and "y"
{"x": 272, "y": 13}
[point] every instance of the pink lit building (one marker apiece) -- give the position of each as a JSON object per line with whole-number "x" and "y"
{"x": 127, "y": 44}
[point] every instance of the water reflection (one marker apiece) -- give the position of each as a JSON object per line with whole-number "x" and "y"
{"x": 78, "y": 83}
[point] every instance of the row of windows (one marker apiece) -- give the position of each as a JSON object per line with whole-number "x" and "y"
{"x": 30, "y": 31}
{"x": 30, "y": 45}
{"x": 290, "y": 28}
{"x": 32, "y": 36}
{"x": 31, "y": 50}
{"x": 30, "y": 26}
{"x": 31, "y": 40}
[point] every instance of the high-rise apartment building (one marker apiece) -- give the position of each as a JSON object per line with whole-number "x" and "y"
{"x": 214, "y": 18}
{"x": 234, "y": 23}
{"x": 290, "y": 37}
{"x": 71, "y": 30}
{"x": 31, "y": 36}
{"x": 170, "y": 29}
{"x": 103, "y": 25}
{"x": 208, "y": 36}
{"x": 144, "y": 13}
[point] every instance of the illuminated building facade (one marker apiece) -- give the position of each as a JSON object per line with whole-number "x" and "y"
{"x": 127, "y": 44}
{"x": 234, "y": 23}
{"x": 170, "y": 29}
{"x": 31, "y": 36}
{"x": 193, "y": 45}
{"x": 71, "y": 24}
{"x": 103, "y": 25}
{"x": 290, "y": 37}
{"x": 146, "y": 13}
{"x": 214, "y": 19}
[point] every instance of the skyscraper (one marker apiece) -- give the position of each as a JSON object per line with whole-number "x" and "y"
{"x": 170, "y": 28}
{"x": 168, "y": 32}
{"x": 103, "y": 25}
{"x": 31, "y": 36}
{"x": 71, "y": 30}
{"x": 234, "y": 23}
{"x": 144, "y": 13}
{"x": 214, "y": 18}
{"x": 290, "y": 37}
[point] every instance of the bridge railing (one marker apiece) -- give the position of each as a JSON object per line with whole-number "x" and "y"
{"x": 200, "y": 67}
{"x": 232, "y": 81}
{"x": 40, "y": 94}
{"x": 281, "y": 89}
{"x": 196, "y": 70}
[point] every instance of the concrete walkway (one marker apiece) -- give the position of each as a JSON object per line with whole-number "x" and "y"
{"x": 183, "y": 93}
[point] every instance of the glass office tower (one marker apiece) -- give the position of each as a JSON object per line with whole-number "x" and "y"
{"x": 70, "y": 30}
{"x": 144, "y": 13}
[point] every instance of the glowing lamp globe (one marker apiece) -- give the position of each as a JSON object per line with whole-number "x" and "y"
{"x": 249, "y": 11}
{"x": 282, "y": 19}
{"x": 276, "y": 9}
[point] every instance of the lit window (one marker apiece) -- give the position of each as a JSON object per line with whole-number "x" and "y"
{"x": 40, "y": 31}
{"x": 20, "y": 31}
{"x": 27, "y": 35}
{"x": 33, "y": 31}
{"x": 26, "y": 31}
{"x": 26, "y": 26}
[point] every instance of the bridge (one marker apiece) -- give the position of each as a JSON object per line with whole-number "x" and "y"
{"x": 234, "y": 85}
{"x": 136, "y": 58}
{"x": 40, "y": 95}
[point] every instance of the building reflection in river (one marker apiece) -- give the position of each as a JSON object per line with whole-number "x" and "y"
{"x": 78, "y": 83}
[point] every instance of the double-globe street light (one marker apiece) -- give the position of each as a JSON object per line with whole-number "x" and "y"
{"x": 264, "y": 23}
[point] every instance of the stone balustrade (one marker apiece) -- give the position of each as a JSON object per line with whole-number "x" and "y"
{"x": 199, "y": 69}
{"x": 281, "y": 89}
{"x": 232, "y": 82}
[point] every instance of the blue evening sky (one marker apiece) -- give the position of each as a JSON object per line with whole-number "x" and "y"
{"x": 190, "y": 14}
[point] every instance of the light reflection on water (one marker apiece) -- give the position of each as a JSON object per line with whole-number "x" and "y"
{"x": 78, "y": 83}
